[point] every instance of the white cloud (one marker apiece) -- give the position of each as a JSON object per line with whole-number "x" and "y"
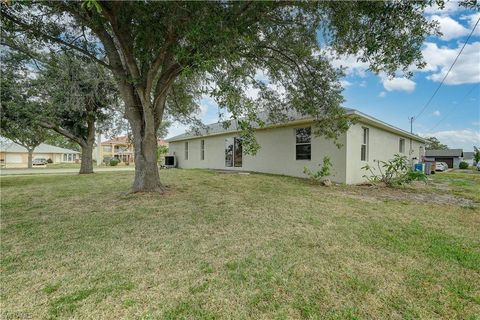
{"x": 439, "y": 60}
{"x": 450, "y": 28}
{"x": 252, "y": 92}
{"x": 345, "y": 83}
{"x": 449, "y": 7}
{"x": 436, "y": 113}
{"x": 466, "y": 138}
{"x": 351, "y": 63}
{"x": 472, "y": 20}
{"x": 363, "y": 84}
{"x": 398, "y": 84}
{"x": 382, "y": 94}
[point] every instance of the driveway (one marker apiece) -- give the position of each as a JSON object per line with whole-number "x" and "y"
{"x": 21, "y": 171}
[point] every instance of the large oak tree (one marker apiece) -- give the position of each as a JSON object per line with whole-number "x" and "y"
{"x": 166, "y": 55}
{"x": 78, "y": 100}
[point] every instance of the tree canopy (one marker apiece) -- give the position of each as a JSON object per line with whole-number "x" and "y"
{"x": 166, "y": 55}
{"x": 434, "y": 144}
{"x": 15, "y": 108}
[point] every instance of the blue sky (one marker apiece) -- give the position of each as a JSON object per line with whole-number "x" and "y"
{"x": 453, "y": 116}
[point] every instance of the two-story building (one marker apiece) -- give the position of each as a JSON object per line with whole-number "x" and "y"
{"x": 121, "y": 148}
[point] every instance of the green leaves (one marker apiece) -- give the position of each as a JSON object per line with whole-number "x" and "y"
{"x": 250, "y": 57}
{"x": 394, "y": 172}
{"x": 317, "y": 176}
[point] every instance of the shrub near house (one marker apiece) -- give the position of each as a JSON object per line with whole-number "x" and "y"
{"x": 463, "y": 165}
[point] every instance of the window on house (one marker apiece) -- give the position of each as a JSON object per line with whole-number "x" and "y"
{"x": 65, "y": 157}
{"x": 107, "y": 148}
{"x": 303, "y": 148}
{"x": 74, "y": 157}
{"x": 401, "y": 146}
{"x": 202, "y": 149}
{"x": 69, "y": 157}
{"x": 237, "y": 152}
{"x": 233, "y": 152}
{"x": 364, "y": 150}
{"x": 186, "y": 150}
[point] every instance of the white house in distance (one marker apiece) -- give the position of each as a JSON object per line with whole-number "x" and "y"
{"x": 14, "y": 155}
{"x": 286, "y": 148}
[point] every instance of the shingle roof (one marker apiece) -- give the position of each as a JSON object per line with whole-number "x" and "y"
{"x": 218, "y": 128}
{"x": 10, "y": 146}
{"x": 444, "y": 153}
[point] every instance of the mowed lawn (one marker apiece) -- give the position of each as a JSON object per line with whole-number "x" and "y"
{"x": 238, "y": 246}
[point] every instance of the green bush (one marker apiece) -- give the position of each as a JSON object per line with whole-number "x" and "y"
{"x": 394, "y": 172}
{"x": 463, "y": 165}
{"x": 113, "y": 162}
{"x": 324, "y": 171}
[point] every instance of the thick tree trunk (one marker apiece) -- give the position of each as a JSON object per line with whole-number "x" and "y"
{"x": 147, "y": 177}
{"x": 30, "y": 158}
{"x": 86, "y": 165}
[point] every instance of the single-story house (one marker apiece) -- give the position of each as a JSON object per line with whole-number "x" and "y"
{"x": 451, "y": 157}
{"x": 14, "y": 155}
{"x": 468, "y": 157}
{"x": 287, "y": 147}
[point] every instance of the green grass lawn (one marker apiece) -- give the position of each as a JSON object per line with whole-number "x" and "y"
{"x": 238, "y": 246}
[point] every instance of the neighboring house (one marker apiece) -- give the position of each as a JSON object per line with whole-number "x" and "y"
{"x": 286, "y": 148}
{"x": 451, "y": 157}
{"x": 468, "y": 157}
{"x": 14, "y": 155}
{"x": 120, "y": 148}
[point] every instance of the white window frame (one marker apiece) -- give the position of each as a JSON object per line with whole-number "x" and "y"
{"x": 365, "y": 143}
{"x": 234, "y": 151}
{"x": 303, "y": 143}
{"x": 401, "y": 145}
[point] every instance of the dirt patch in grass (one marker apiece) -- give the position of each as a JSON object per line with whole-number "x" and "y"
{"x": 380, "y": 194}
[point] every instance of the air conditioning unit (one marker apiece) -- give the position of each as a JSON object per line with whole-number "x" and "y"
{"x": 170, "y": 162}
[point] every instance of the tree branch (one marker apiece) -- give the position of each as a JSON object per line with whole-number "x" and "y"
{"x": 63, "y": 132}
{"x": 48, "y": 37}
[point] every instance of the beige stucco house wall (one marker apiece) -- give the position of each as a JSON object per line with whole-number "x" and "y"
{"x": 277, "y": 152}
{"x": 382, "y": 145}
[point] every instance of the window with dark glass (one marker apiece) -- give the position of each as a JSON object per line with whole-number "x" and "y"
{"x": 202, "y": 149}
{"x": 233, "y": 152}
{"x": 401, "y": 146}
{"x": 364, "y": 148}
{"x": 186, "y": 150}
{"x": 303, "y": 147}
{"x": 237, "y": 152}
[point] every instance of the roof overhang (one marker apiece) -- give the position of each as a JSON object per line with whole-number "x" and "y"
{"x": 362, "y": 117}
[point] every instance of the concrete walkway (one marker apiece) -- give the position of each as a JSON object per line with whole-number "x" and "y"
{"x": 22, "y": 171}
